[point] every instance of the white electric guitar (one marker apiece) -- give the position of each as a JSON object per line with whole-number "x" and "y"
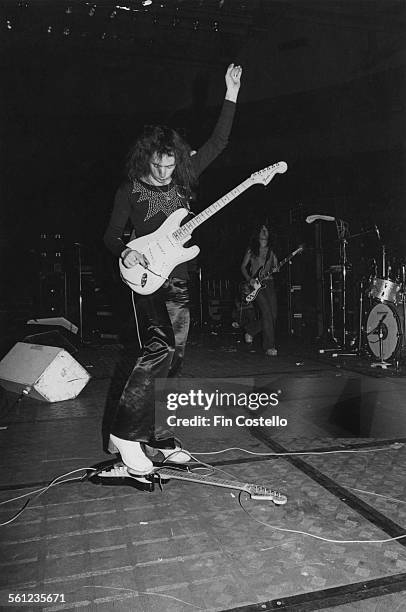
{"x": 164, "y": 248}
{"x": 114, "y": 470}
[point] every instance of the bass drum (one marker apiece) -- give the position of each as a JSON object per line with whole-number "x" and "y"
{"x": 383, "y": 319}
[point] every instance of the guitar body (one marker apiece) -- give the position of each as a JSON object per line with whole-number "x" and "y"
{"x": 256, "y": 287}
{"x": 263, "y": 276}
{"x": 163, "y": 251}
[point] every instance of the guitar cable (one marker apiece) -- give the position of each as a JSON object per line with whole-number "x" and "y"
{"x": 38, "y": 492}
{"x": 395, "y": 446}
{"x": 214, "y": 469}
{"x": 56, "y": 481}
{"x": 136, "y": 319}
{"x": 312, "y": 535}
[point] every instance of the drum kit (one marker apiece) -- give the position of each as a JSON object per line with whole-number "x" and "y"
{"x": 384, "y": 331}
{"x": 380, "y": 329}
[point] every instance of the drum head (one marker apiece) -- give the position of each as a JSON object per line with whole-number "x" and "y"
{"x": 383, "y": 320}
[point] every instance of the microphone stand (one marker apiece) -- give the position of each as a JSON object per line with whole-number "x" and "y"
{"x": 332, "y": 324}
{"x": 342, "y": 230}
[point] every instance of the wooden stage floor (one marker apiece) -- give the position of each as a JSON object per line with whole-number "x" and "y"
{"x": 337, "y": 544}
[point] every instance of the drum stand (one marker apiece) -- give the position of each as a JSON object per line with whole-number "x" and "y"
{"x": 402, "y": 323}
{"x": 361, "y": 329}
{"x": 379, "y": 329}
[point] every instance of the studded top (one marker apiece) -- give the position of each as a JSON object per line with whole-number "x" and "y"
{"x": 159, "y": 199}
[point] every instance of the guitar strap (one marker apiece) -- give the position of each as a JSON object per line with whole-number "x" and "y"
{"x": 267, "y": 258}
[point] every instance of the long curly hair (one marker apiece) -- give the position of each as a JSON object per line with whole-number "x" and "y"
{"x": 162, "y": 140}
{"x": 254, "y": 239}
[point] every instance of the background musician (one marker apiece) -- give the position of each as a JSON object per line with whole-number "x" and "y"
{"x": 260, "y": 258}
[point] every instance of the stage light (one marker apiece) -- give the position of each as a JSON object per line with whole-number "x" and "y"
{"x": 146, "y": 2}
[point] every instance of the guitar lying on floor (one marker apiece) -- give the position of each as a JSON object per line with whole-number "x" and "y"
{"x": 114, "y": 470}
{"x": 164, "y": 248}
{"x": 263, "y": 276}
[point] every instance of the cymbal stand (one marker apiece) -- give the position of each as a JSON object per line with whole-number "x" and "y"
{"x": 331, "y": 327}
{"x": 342, "y": 229}
{"x": 383, "y": 261}
{"x": 360, "y": 316}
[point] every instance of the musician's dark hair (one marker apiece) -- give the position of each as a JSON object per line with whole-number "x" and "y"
{"x": 162, "y": 140}
{"x": 254, "y": 239}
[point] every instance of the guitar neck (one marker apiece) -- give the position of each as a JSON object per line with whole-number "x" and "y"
{"x": 186, "y": 229}
{"x": 202, "y": 479}
{"x": 282, "y": 263}
{"x": 288, "y": 258}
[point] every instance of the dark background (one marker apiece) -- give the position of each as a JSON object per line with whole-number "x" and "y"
{"x": 323, "y": 88}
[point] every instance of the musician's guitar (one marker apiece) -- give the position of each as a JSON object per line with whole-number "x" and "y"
{"x": 164, "y": 248}
{"x": 114, "y": 471}
{"x": 264, "y": 275}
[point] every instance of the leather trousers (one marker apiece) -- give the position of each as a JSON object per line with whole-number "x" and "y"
{"x": 166, "y": 317}
{"x": 268, "y": 307}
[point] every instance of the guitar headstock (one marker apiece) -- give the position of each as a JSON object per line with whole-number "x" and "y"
{"x": 261, "y": 492}
{"x": 265, "y": 175}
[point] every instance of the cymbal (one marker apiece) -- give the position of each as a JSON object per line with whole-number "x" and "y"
{"x": 338, "y": 268}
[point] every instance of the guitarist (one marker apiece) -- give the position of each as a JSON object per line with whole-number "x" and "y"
{"x": 258, "y": 262}
{"x": 162, "y": 171}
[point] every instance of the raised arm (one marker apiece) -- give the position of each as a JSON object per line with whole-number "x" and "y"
{"x": 233, "y": 82}
{"x": 220, "y": 135}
